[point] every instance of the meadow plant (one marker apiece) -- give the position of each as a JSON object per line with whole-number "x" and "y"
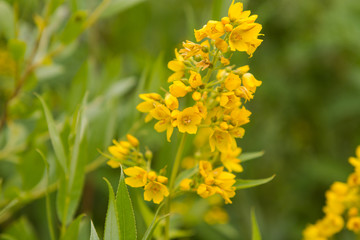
{"x": 341, "y": 209}
{"x": 206, "y": 98}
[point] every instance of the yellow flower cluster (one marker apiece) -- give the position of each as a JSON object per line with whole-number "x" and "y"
{"x": 206, "y": 97}
{"x": 342, "y": 207}
{"x": 153, "y": 184}
{"x": 211, "y": 181}
{"x": 127, "y": 153}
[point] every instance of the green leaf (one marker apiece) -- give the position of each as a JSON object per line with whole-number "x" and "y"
{"x": 117, "y": 6}
{"x": 185, "y": 174}
{"x": 126, "y": 215}
{"x": 93, "y": 233}
{"x": 249, "y": 183}
{"x": 74, "y": 27}
{"x": 70, "y": 188}
{"x": 250, "y": 156}
{"x": 112, "y": 231}
{"x": 7, "y": 25}
{"x": 54, "y": 136}
{"x": 47, "y": 198}
{"x": 72, "y": 232}
{"x": 149, "y": 232}
{"x": 17, "y": 49}
{"x": 255, "y": 227}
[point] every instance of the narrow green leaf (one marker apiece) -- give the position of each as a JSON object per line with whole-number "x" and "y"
{"x": 256, "y": 235}
{"x": 149, "y": 232}
{"x": 112, "y": 231}
{"x": 93, "y": 233}
{"x": 21, "y": 229}
{"x": 72, "y": 232}
{"x": 125, "y": 211}
{"x": 249, "y": 183}
{"x": 54, "y": 136}
{"x": 188, "y": 173}
{"x": 74, "y": 27}
{"x": 71, "y": 186}
{"x": 47, "y": 198}
{"x": 250, "y": 156}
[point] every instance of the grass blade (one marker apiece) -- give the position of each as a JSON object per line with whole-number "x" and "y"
{"x": 126, "y": 215}
{"x": 111, "y": 231}
{"x": 93, "y": 233}
{"x": 255, "y": 227}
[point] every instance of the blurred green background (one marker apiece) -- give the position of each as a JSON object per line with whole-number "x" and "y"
{"x": 306, "y": 115}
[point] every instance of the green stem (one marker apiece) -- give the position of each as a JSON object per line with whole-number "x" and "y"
{"x": 173, "y": 175}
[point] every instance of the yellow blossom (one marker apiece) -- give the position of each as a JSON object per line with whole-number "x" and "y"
{"x": 222, "y": 140}
{"x": 138, "y": 176}
{"x": 185, "y": 184}
{"x": 244, "y": 38}
{"x": 250, "y": 82}
{"x": 216, "y": 215}
{"x": 177, "y": 66}
{"x": 113, "y": 163}
{"x": 235, "y": 11}
{"x": 188, "y": 120}
{"x": 195, "y": 79}
{"x": 132, "y": 140}
{"x": 163, "y": 114}
{"x": 205, "y": 191}
{"x": 229, "y": 100}
{"x": 232, "y": 81}
{"x": 240, "y": 116}
{"x": 155, "y": 191}
{"x": 196, "y": 96}
{"x": 179, "y": 89}
{"x": 224, "y": 61}
{"x": 353, "y": 224}
{"x": 221, "y": 45}
{"x": 118, "y": 150}
{"x": 231, "y": 161}
{"x": 171, "y": 102}
{"x": 162, "y": 179}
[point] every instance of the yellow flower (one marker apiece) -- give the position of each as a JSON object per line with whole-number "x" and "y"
{"x": 113, "y": 163}
{"x": 353, "y": 224}
{"x": 138, "y": 176}
{"x": 232, "y": 81}
{"x": 185, "y": 184}
{"x": 240, "y": 116}
{"x": 195, "y": 79}
{"x": 250, "y": 82}
{"x": 235, "y": 11}
{"x": 151, "y": 101}
{"x": 355, "y": 161}
{"x": 119, "y": 150}
{"x": 162, "y": 113}
{"x": 205, "y": 191}
{"x": 216, "y": 215}
{"x": 231, "y": 161}
{"x": 213, "y": 29}
{"x": 196, "y": 96}
{"x": 244, "y": 38}
{"x": 222, "y": 140}
{"x": 224, "y": 61}
{"x": 221, "y": 45}
{"x": 188, "y": 120}
{"x": 132, "y": 140}
{"x": 155, "y": 191}
{"x": 229, "y": 100}
{"x": 201, "y": 109}
{"x": 179, "y": 89}
{"x": 205, "y": 168}
{"x": 242, "y": 70}
{"x": 171, "y": 102}
{"x": 177, "y": 66}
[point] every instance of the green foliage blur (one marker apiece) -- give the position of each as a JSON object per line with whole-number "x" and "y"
{"x": 305, "y": 116}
